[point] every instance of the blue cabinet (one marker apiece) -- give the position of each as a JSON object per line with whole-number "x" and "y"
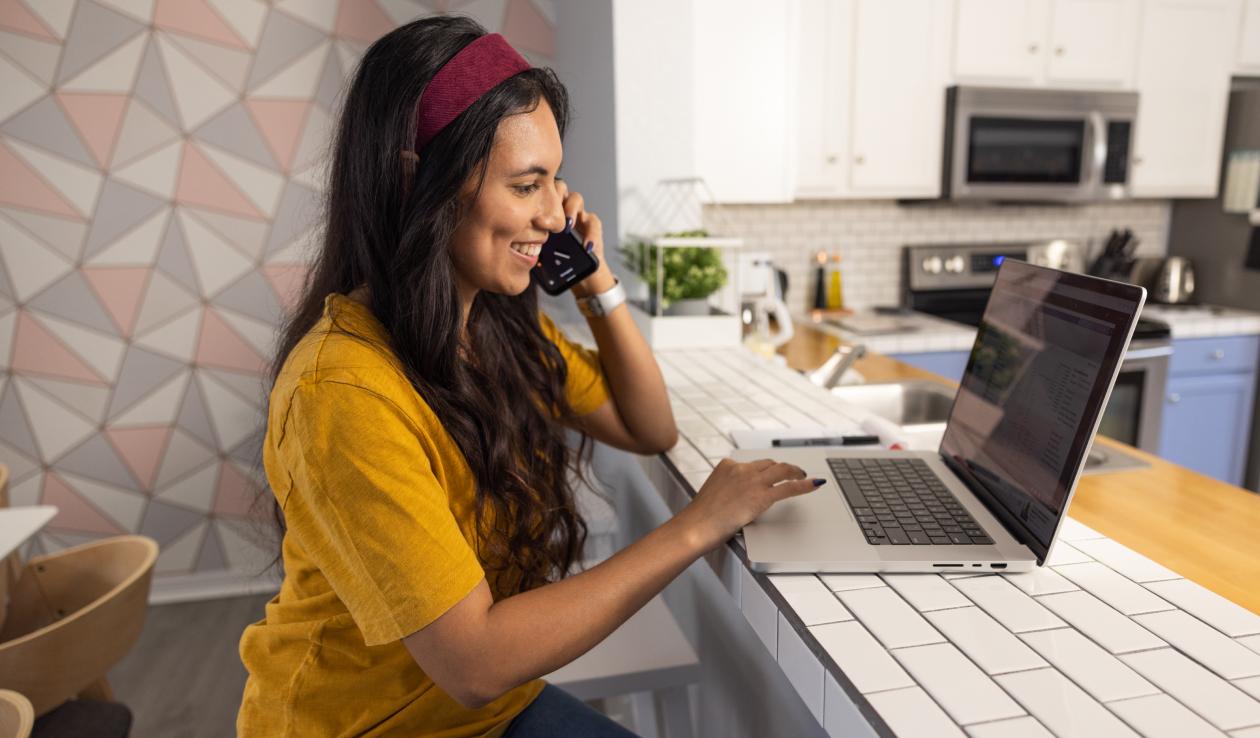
{"x": 948, "y": 364}
{"x": 1208, "y": 403}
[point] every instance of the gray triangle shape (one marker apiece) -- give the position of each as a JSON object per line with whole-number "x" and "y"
{"x": 96, "y": 459}
{"x": 299, "y": 208}
{"x": 331, "y": 82}
{"x": 284, "y": 39}
{"x": 173, "y": 259}
{"x": 94, "y": 32}
{"x": 152, "y": 86}
{"x": 142, "y": 371}
{"x": 249, "y": 451}
{"x": 253, "y": 296}
{"x": 165, "y": 523}
{"x": 13, "y": 427}
{"x": 44, "y": 125}
{"x": 72, "y": 298}
{"x": 119, "y": 209}
{"x": 194, "y": 418}
{"x": 211, "y": 557}
{"x": 6, "y": 287}
{"x": 234, "y": 131}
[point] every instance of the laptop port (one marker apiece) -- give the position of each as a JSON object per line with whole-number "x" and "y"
{"x": 998, "y": 566}
{"x": 945, "y": 565}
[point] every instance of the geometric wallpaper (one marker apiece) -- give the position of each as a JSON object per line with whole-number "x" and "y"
{"x": 161, "y": 167}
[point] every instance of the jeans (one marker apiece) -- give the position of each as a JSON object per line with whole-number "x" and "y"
{"x": 557, "y": 714}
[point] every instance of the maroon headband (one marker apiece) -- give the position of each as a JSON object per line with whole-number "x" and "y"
{"x": 478, "y": 68}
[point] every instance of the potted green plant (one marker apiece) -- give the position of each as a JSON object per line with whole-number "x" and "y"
{"x": 688, "y": 274}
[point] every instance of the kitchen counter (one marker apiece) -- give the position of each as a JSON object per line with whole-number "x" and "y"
{"x": 917, "y": 333}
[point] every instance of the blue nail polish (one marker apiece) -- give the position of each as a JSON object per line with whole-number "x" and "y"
{"x": 590, "y": 246}
{"x": 568, "y": 224}
{"x": 819, "y": 482}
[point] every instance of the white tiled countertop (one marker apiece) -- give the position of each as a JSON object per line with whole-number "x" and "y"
{"x": 926, "y": 333}
{"x": 1101, "y": 641}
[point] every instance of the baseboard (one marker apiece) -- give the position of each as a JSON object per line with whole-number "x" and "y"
{"x": 210, "y": 586}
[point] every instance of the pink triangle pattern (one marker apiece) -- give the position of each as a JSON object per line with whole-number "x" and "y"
{"x": 220, "y": 346}
{"x": 97, "y": 117}
{"x": 287, "y": 280}
{"x": 362, "y": 21}
{"x": 120, "y": 290}
{"x": 141, "y": 450}
{"x": 196, "y": 18}
{"x": 38, "y": 352}
{"x": 236, "y": 492}
{"x": 528, "y": 29}
{"x": 14, "y": 16}
{"x": 73, "y": 512}
{"x": 280, "y": 122}
{"x": 202, "y": 184}
{"x": 21, "y": 187}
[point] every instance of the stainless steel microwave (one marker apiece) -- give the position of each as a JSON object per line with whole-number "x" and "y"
{"x": 1047, "y": 145}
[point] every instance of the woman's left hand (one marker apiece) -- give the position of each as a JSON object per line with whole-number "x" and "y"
{"x": 588, "y": 226}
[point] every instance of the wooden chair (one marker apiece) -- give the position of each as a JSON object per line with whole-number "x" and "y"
{"x": 16, "y": 715}
{"x": 11, "y": 565}
{"x": 648, "y": 653}
{"x": 72, "y": 615}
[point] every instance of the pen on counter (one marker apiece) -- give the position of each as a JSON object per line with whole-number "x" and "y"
{"x": 825, "y": 441}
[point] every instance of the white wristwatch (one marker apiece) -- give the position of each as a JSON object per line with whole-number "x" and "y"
{"x": 596, "y": 306}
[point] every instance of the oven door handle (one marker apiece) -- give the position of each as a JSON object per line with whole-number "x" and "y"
{"x": 1153, "y": 352}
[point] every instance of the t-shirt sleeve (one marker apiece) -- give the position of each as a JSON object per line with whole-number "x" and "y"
{"x": 366, "y": 507}
{"x": 585, "y": 387}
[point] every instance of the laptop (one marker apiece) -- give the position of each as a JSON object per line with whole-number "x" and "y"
{"x": 994, "y": 495}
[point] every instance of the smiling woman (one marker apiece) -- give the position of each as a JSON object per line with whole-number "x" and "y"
{"x": 416, "y": 425}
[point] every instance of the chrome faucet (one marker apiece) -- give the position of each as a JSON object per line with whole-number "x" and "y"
{"x": 828, "y": 375}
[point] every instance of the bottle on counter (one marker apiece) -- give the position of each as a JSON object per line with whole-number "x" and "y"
{"x": 835, "y": 284}
{"x": 820, "y": 280}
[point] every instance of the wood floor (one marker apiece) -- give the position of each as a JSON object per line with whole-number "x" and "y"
{"x": 184, "y": 677}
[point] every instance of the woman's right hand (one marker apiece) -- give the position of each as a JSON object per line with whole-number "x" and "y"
{"x": 735, "y": 494}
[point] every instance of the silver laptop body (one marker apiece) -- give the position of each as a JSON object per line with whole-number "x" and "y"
{"x": 1042, "y": 368}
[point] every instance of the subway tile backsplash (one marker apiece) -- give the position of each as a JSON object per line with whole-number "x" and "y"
{"x": 869, "y": 235}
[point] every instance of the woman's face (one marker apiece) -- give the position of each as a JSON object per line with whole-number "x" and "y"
{"x": 504, "y": 227}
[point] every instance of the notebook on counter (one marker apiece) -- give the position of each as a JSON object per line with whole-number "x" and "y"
{"x": 996, "y": 491}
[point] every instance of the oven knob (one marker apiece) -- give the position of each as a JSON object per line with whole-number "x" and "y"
{"x": 932, "y": 265}
{"x": 955, "y": 265}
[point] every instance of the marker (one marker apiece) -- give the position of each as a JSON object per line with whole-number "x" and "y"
{"x": 826, "y": 441}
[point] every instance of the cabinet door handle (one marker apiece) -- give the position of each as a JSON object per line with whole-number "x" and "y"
{"x": 859, "y": 159}
{"x": 1136, "y": 160}
{"x": 1033, "y": 48}
{"x": 1058, "y": 51}
{"x": 1218, "y": 354}
{"x": 1174, "y": 398}
{"x": 832, "y": 159}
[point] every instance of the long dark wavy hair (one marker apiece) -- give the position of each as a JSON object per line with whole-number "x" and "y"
{"x": 389, "y": 221}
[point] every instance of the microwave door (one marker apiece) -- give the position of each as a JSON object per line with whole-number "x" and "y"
{"x": 1021, "y": 157}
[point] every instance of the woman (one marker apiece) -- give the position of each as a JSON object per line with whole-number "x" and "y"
{"x": 415, "y": 439}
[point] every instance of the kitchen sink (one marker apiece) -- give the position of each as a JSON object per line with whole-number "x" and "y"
{"x": 908, "y": 404}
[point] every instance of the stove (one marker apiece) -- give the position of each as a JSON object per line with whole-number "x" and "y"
{"x": 953, "y": 282}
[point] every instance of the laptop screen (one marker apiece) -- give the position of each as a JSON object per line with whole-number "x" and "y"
{"x": 1045, "y": 358}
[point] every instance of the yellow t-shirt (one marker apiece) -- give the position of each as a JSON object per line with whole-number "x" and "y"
{"x": 378, "y": 501}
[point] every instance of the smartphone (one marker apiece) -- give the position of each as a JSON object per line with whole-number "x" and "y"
{"x": 563, "y": 262}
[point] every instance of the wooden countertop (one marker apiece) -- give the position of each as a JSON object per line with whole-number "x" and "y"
{"x": 1204, "y": 529}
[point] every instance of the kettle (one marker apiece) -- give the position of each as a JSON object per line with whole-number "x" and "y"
{"x": 1173, "y": 284}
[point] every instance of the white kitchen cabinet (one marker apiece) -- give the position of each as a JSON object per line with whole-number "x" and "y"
{"x": 1183, "y": 86}
{"x": 1056, "y": 43}
{"x": 871, "y": 113}
{"x": 899, "y": 45}
{"x": 744, "y": 60}
{"x": 1000, "y": 42}
{"x": 1092, "y": 43}
{"x": 1248, "y": 61}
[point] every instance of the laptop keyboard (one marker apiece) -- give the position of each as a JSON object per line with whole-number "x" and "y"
{"x": 903, "y": 502}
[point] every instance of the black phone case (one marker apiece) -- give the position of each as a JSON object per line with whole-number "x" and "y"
{"x": 562, "y": 263}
